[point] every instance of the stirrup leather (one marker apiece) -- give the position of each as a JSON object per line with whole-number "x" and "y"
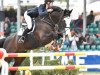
{"x": 21, "y": 39}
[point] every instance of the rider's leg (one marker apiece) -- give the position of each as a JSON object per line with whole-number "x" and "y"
{"x": 25, "y": 32}
{"x": 29, "y": 25}
{"x": 22, "y": 38}
{"x": 28, "y": 20}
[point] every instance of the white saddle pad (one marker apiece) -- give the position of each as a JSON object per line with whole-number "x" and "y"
{"x": 20, "y": 32}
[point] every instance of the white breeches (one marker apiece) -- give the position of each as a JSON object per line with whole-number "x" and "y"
{"x": 28, "y": 20}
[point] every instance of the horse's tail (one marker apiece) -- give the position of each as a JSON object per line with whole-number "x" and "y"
{"x": 2, "y": 42}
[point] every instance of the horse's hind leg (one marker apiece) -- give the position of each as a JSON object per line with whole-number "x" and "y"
{"x": 18, "y": 62}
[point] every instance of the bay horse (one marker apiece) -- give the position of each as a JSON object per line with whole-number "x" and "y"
{"x": 43, "y": 34}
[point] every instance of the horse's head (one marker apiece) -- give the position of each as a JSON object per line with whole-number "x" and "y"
{"x": 67, "y": 12}
{"x": 57, "y": 17}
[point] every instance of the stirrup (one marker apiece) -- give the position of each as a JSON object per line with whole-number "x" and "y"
{"x": 21, "y": 39}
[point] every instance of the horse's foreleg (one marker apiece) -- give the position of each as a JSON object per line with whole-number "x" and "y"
{"x": 18, "y": 62}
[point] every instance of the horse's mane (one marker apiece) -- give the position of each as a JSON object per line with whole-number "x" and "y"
{"x": 56, "y": 8}
{"x": 56, "y": 11}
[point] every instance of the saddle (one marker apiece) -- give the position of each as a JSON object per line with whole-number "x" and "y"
{"x": 24, "y": 26}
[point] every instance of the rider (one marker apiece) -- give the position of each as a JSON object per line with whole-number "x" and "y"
{"x": 32, "y": 13}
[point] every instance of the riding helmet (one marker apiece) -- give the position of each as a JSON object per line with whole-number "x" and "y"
{"x": 49, "y": 1}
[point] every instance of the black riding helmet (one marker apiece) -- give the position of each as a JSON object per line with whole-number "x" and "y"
{"x": 48, "y": 1}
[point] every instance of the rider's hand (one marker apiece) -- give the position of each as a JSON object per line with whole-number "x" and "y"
{"x": 49, "y": 10}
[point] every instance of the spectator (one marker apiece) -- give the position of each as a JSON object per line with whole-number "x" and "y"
{"x": 13, "y": 21}
{"x": 60, "y": 40}
{"x": 66, "y": 42}
{"x": 90, "y": 18}
{"x": 87, "y": 38}
{"x": 81, "y": 40}
{"x": 93, "y": 39}
{"x": 73, "y": 40}
{"x": 7, "y": 27}
{"x": 78, "y": 23}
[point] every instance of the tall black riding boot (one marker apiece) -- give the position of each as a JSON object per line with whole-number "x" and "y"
{"x": 22, "y": 38}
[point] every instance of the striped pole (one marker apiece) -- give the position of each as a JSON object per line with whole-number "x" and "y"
{"x": 50, "y": 54}
{"x": 2, "y": 33}
{"x": 54, "y": 67}
{"x": 11, "y": 55}
{"x": 45, "y": 54}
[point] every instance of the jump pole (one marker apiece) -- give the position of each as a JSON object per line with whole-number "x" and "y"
{"x": 4, "y": 54}
{"x": 54, "y": 67}
{"x": 11, "y": 55}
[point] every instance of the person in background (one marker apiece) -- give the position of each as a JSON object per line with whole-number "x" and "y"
{"x": 6, "y": 27}
{"x": 66, "y": 42}
{"x": 90, "y": 39}
{"x": 79, "y": 23}
{"x": 81, "y": 41}
{"x": 73, "y": 40}
{"x": 90, "y": 18}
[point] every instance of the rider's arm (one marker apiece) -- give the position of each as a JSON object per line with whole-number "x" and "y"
{"x": 33, "y": 12}
{"x": 42, "y": 11}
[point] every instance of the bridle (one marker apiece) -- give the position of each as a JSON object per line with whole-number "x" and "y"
{"x": 52, "y": 23}
{"x": 58, "y": 20}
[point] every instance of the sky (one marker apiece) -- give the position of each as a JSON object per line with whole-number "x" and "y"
{"x": 77, "y": 5}
{"x": 37, "y": 2}
{"x": 7, "y": 2}
{"x": 14, "y": 2}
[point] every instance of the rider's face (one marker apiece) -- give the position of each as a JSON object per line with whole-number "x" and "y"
{"x": 50, "y": 4}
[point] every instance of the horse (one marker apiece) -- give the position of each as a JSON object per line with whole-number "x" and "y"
{"x": 2, "y": 42}
{"x": 45, "y": 31}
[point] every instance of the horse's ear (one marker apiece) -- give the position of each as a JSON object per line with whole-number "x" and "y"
{"x": 71, "y": 11}
{"x": 67, "y": 12}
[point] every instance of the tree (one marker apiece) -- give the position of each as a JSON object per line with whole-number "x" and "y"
{"x": 11, "y": 13}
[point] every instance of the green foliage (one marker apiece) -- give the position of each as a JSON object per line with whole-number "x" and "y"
{"x": 38, "y": 60}
{"x": 73, "y": 71}
{"x": 52, "y": 62}
{"x": 11, "y": 13}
